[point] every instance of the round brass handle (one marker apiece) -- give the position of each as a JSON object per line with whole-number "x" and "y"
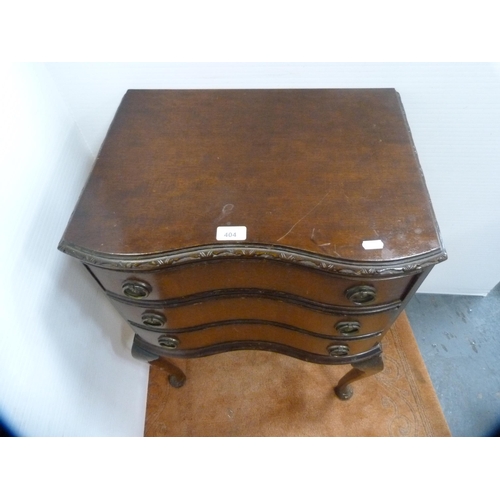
{"x": 151, "y": 318}
{"x": 168, "y": 342}
{"x": 136, "y": 289}
{"x": 337, "y": 351}
{"x": 362, "y": 294}
{"x": 348, "y": 327}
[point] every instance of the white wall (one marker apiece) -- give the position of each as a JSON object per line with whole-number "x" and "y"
{"x": 453, "y": 111}
{"x": 65, "y": 367}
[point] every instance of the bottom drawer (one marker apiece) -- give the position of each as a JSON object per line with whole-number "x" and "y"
{"x": 180, "y": 345}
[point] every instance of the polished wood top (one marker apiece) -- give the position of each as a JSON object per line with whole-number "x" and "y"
{"x": 318, "y": 171}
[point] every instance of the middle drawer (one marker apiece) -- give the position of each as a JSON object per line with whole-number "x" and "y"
{"x": 333, "y": 322}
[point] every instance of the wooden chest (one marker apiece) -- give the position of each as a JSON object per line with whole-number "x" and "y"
{"x": 295, "y": 221}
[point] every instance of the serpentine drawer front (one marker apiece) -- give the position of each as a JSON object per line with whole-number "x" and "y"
{"x": 294, "y": 221}
{"x": 181, "y": 314}
{"x": 301, "y": 281}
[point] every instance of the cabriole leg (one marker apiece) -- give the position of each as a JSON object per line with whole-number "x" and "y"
{"x": 361, "y": 369}
{"x": 176, "y": 376}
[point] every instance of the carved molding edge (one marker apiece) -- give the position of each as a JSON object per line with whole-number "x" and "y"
{"x": 211, "y": 252}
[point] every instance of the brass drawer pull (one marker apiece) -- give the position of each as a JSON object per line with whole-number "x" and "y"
{"x": 362, "y": 294}
{"x": 136, "y": 289}
{"x": 168, "y": 342}
{"x": 151, "y": 318}
{"x": 337, "y": 351}
{"x": 348, "y": 327}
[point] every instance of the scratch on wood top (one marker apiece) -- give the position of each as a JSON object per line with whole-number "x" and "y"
{"x": 302, "y": 218}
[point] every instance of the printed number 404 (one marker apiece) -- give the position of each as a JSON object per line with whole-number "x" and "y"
{"x": 235, "y": 233}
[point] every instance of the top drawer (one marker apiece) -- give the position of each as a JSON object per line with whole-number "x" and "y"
{"x": 278, "y": 277}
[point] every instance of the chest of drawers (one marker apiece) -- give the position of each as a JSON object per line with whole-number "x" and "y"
{"x": 294, "y": 221}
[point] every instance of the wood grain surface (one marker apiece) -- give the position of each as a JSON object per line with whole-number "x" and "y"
{"x": 320, "y": 170}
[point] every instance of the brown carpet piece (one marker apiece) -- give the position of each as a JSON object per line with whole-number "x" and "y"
{"x": 255, "y": 393}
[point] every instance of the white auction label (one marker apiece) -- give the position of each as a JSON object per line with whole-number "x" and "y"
{"x": 373, "y": 244}
{"x": 231, "y": 233}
